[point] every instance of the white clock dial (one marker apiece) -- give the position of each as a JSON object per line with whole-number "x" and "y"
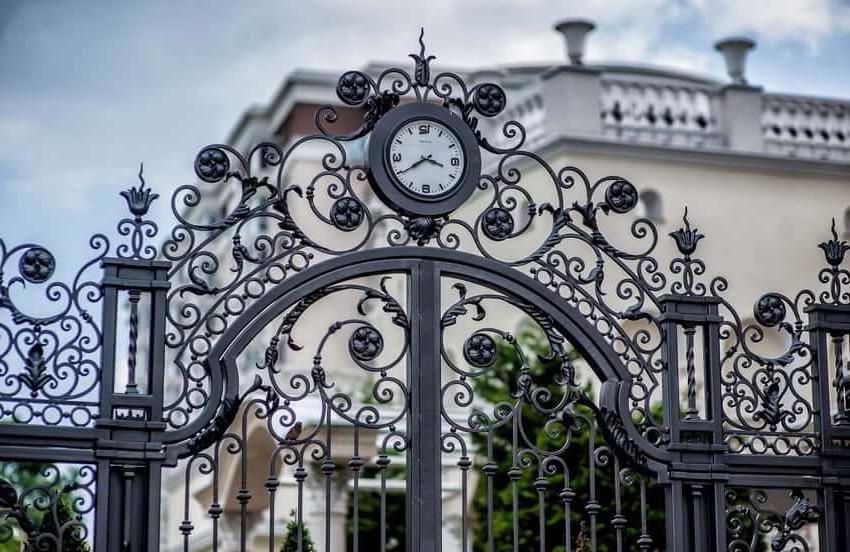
{"x": 426, "y": 157}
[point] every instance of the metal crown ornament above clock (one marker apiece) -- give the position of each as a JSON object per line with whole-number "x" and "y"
{"x": 423, "y": 157}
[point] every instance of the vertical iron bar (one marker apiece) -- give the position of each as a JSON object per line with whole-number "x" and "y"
{"x": 489, "y": 469}
{"x": 619, "y": 520}
{"x": 354, "y": 464}
{"x": 567, "y": 497}
{"x": 842, "y": 382}
{"x": 243, "y": 495}
{"x": 514, "y": 473}
{"x": 186, "y": 527}
{"x": 464, "y": 463}
{"x": 328, "y": 470}
{"x": 699, "y": 517}
{"x": 215, "y": 507}
{"x": 424, "y": 478}
{"x": 132, "y": 349}
{"x": 300, "y": 475}
{"x": 592, "y": 507}
{"x": 644, "y": 540}
{"x": 540, "y": 484}
{"x": 692, "y": 413}
{"x": 271, "y": 486}
{"x": 129, "y": 474}
{"x": 383, "y": 462}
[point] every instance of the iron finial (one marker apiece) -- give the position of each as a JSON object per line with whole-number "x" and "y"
{"x": 834, "y": 249}
{"x": 686, "y": 238}
{"x": 422, "y": 73}
{"x": 138, "y": 198}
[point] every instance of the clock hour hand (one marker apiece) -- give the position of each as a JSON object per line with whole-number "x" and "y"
{"x": 434, "y": 161}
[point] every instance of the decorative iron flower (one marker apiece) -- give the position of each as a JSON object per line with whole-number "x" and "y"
{"x": 480, "y": 350}
{"x": 834, "y": 249}
{"x": 347, "y": 213}
{"x": 686, "y": 238}
{"x": 352, "y": 87}
{"x": 621, "y": 196}
{"x": 770, "y": 310}
{"x": 489, "y": 99}
{"x": 139, "y": 199}
{"x": 211, "y": 165}
{"x": 498, "y": 223}
{"x": 365, "y": 343}
{"x": 423, "y": 229}
{"x": 37, "y": 265}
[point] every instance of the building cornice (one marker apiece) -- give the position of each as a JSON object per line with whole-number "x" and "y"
{"x": 713, "y": 157}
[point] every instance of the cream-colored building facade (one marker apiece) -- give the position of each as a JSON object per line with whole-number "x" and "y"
{"x": 761, "y": 174}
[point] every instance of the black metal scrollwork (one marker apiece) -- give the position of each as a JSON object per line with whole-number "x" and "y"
{"x": 748, "y": 521}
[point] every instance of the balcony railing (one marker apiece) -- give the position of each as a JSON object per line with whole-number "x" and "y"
{"x": 666, "y": 114}
{"x": 809, "y": 128}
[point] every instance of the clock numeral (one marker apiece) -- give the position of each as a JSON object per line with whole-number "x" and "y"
{"x": 424, "y": 129}
{"x": 396, "y": 157}
{"x": 426, "y": 189}
{"x": 455, "y": 161}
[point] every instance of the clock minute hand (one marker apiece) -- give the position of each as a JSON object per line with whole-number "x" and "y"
{"x": 415, "y": 163}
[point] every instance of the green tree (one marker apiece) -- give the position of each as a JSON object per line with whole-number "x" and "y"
{"x": 495, "y": 387}
{"x": 290, "y": 541}
{"x": 14, "y": 524}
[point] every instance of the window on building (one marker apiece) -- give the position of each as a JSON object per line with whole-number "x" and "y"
{"x": 650, "y": 205}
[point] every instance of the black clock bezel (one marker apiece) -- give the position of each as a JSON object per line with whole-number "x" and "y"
{"x": 396, "y": 194}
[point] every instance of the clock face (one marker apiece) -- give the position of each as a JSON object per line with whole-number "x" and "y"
{"x": 426, "y": 158}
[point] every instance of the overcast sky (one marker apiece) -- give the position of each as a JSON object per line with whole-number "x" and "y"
{"x": 90, "y": 89}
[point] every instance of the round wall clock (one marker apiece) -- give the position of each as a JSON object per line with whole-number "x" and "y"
{"x": 423, "y": 159}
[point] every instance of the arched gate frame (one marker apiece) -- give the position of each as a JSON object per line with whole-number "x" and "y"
{"x": 140, "y": 369}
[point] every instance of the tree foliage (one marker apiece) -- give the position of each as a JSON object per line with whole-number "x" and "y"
{"x": 290, "y": 541}
{"x": 495, "y": 387}
{"x": 46, "y": 521}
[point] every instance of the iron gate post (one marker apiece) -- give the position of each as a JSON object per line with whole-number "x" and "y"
{"x": 829, "y": 326}
{"x": 129, "y": 448}
{"x": 697, "y": 475}
{"x": 424, "y": 477}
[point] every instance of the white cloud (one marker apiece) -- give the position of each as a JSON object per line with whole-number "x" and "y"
{"x": 802, "y": 21}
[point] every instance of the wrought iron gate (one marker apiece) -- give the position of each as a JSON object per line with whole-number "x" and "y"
{"x": 498, "y": 375}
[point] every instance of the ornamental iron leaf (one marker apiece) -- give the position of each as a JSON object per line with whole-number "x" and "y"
{"x": 36, "y": 376}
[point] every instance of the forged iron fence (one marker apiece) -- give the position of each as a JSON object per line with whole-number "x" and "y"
{"x": 231, "y": 359}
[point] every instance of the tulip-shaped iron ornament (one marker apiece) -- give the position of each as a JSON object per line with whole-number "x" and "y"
{"x": 834, "y": 251}
{"x": 139, "y": 200}
{"x": 686, "y": 240}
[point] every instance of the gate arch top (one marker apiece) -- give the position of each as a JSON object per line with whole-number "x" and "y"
{"x": 581, "y": 334}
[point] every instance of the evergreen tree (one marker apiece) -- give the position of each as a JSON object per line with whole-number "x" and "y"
{"x": 290, "y": 541}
